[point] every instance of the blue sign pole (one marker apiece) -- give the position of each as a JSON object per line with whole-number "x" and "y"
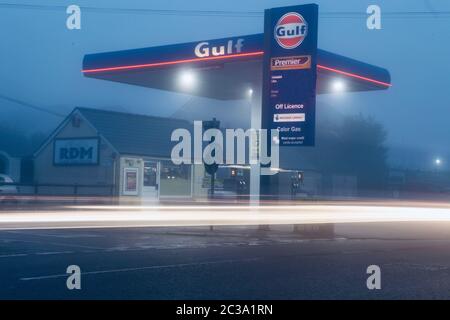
{"x": 289, "y": 79}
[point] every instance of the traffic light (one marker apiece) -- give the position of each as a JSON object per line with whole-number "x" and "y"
{"x": 300, "y": 176}
{"x": 211, "y": 168}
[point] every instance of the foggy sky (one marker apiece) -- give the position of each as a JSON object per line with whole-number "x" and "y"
{"x": 41, "y": 61}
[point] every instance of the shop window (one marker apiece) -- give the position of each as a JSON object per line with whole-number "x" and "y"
{"x": 150, "y": 170}
{"x": 175, "y": 180}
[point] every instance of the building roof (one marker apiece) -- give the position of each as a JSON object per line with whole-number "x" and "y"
{"x": 224, "y": 77}
{"x": 135, "y": 134}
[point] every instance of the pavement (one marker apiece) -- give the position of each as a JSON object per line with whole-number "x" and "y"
{"x": 228, "y": 262}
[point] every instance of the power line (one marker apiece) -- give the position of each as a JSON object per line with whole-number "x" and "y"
{"x": 136, "y": 10}
{"x": 225, "y": 13}
{"x": 28, "y": 105}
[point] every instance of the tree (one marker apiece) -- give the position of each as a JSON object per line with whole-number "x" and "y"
{"x": 363, "y": 152}
{"x": 354, "y": 146}
{"x": 15, "y": 142}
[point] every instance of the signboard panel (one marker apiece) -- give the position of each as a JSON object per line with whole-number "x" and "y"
{"x": 242, "y": 47}
{"x": 130, "y": 181}
{"x": 289, "y": 80}
{"x": 73, "y": 152}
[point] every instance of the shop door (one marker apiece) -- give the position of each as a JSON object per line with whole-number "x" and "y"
{"x": 150, "y": 188}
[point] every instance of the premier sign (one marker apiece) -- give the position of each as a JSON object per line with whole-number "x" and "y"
{"x": 290, "y": 72}
{"x": 83, "y": 151}
{"x": 290, "y": 63}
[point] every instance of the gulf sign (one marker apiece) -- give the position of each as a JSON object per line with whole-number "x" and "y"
{"x": 290, "y": 30}
{"x": 290, "y": 73}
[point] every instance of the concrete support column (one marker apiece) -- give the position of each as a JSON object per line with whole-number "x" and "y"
{"x": 255, "y": 169}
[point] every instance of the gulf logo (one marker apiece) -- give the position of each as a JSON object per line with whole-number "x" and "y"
{"x": 291, "y": 30}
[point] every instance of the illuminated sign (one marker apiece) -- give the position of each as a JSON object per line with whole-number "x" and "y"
{"x": 290, "y": 30}
{"x": 290, "y": 73}
{"x": 290, "y": 63}
{"x": 130, "y": 181}
{"x": 289, "y": 117}
{"x": 204, "y": 49}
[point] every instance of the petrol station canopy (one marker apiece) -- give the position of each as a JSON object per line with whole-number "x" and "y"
{"x": 225, "y": 68}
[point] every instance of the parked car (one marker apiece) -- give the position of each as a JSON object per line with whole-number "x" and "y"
{"x": 7, "y": 189}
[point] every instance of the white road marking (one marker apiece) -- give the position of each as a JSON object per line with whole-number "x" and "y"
{"x": 52, "y": 253}
{"x": 180, "y": 265}
{"x": 58, "y": 244}
{"x": 14, "y": 255}
{"x": 60, "y": 235}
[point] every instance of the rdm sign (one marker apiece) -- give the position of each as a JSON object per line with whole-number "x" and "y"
{"x": 289, "y": 87}
{"x": 76, "y": 151}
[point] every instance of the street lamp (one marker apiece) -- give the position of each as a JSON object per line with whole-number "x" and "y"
{"x": 338, "y": 86}
{"x": 187, "y": 80}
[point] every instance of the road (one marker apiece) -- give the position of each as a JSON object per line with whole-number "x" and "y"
{"x": 234, "y": 262}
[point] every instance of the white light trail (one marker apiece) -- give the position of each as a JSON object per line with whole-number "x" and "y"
{"x": 159, "y": 216}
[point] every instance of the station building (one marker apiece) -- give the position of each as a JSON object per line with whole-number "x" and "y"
{"x": 232, "y": 76}
{"x": 110, "y": 153}
{"x": 127, "y": 156}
